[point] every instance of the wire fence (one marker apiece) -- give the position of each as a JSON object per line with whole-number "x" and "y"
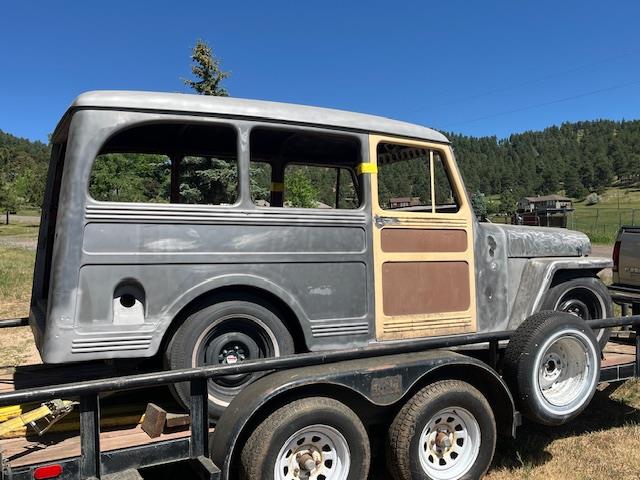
{"x": 600, "y": 224}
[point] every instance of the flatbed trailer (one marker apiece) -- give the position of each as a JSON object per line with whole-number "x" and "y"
{"x": 370, "y": 380}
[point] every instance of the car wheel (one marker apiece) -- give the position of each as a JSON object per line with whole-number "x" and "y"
{"x": 312, "y": 438}
{"x": 225, "y": 333}
{"x": 446, "y": 431}
{"x": 586, "y": 298}
{"x": 552, "y": 364}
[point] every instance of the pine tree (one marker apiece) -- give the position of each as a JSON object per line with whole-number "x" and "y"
{"x": 206, "y": 68}
{"x": 211, "y": 181}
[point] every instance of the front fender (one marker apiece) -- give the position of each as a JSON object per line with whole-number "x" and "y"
{"x": 536, "y": 279}
{"x": 381, "y": 381}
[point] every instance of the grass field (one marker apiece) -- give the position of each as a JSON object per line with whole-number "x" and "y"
{"x": 16, "y": 271}
{"x": 601, "y": 443}
{"x": 618, "y": 206}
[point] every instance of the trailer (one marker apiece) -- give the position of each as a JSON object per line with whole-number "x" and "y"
{"x": 308, "y": 415}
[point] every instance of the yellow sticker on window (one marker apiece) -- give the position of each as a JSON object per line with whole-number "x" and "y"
{"x": 277, "y": 187}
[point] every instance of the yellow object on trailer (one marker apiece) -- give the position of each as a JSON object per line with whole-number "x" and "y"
{"x": 39, "y": 419}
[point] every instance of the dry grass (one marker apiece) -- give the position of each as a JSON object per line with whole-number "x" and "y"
{"x": 17, "y": 347}
{"x": 16, "y": 271}
{"x": 602, "y": 443}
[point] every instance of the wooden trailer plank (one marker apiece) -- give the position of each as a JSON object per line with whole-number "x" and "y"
{"x": 22, "y": 452}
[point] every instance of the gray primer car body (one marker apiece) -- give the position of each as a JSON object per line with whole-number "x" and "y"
{"x": 316, "y": 262}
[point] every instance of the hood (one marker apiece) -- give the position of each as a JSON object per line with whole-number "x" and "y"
{"x": 531, "y": 242}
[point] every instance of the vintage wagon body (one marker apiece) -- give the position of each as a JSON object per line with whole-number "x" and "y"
{"x": 221, "y": 255}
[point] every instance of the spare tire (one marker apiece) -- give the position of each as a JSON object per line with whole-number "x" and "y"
{"x": 552, "y": 364}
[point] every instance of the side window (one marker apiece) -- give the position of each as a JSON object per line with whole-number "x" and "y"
{"x": 208, "y": 181}
{"x": 303, "y": 169}
{"x": 414, "y": 179}
{"x": 130, "y": 177}
{"x": 260, "y": 180}
{"x": 318, "y": 187}
{"x": 168, "y": 163}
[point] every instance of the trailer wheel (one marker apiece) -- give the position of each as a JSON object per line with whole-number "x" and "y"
{"x": 446, "y": 431}
{"x": 315, "y": 438}
{"x": 584, "y": 297}
{"x": 552, "y": 364}
{"x": 226, "y": 333}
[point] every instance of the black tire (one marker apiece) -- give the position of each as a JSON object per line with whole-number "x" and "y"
{"x": 552, "y": 364}
{"x": 225, "y": 332}
{"x": 585, "y": 297}
{"x": 407, "y": 443}
{"x": 268, "y": 443}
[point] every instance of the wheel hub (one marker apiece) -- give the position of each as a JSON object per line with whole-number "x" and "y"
{"x": 449, "y": 444}
{"x": 317, "y": 452}
{"x": 576, "y": 307}
{"x": 306, "y": 462}
{"x": 232, "y": 354}
{"x": 553, "y": 367}
{"x": 442, "y": 441}
{"x": 231, "y": 348}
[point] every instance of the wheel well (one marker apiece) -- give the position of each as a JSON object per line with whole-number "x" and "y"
{"x": 562, "y": 276}
{"x": 241, "y": 292}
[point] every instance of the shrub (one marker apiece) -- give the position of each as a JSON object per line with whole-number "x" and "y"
{"x": 592, "y": 199}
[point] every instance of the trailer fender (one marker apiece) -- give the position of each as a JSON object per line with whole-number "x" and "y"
{"x": 380, "y": 381}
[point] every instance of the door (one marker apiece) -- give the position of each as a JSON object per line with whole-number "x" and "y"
{"x": 423, "y": 241}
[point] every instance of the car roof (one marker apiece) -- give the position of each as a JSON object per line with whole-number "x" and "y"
{"x": 254, "y": 109}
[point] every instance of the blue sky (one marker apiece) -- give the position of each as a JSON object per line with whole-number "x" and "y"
{"x": 480, "y": 68}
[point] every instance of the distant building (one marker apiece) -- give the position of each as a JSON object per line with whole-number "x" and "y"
{"x": 545, "y": 211}
{"x": 399, "y": 202}
{"x": 544, "y": 203}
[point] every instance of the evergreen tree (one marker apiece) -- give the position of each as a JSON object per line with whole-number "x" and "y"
{"x": 479, "y": 205}
{"x": 206, "y": 68}
{"x": 211, "y": 181}
{"x": 298, "y": 189}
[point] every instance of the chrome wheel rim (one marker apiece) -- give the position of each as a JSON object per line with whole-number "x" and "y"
{"x": 316, "y": 452}
{"x": 566, "y": 371}
{"x": 449, "y": 444}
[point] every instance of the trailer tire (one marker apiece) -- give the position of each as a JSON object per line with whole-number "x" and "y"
{"x": 552, "y": 365}
{"x": 585, "y": 297}
{"x": 446, "y": 411}
{"x": 319, "y": 429}
{"x": 228, "y": 331}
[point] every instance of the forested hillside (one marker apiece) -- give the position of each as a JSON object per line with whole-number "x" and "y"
{"x": 575, "y": 157}
{"x": 23, "y": 170}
